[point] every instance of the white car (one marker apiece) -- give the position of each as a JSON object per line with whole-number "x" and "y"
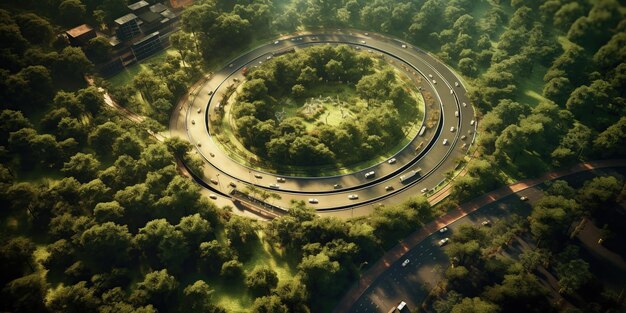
{"x": 276, "y": 42}
{"x": 392, "y": 161}
{"x": 405, "y": 262}
{"x": 472, "y": 122}
{"x": 443, "y": 230}
{"x": 443, "y": 242}
{"x": 452, "y": 129}
{"x": 464, "y": 104}
{"x": 523, "y": 198}
{"x": 268, "y": 57}
{"x": 212, "y": 196}
{"x": 451, "y": 91}
{"x": 275, "y": 186}
{"x": 445, "y": 142}
{"x": 463, "y": 137}
{"x": 362, "y": 41}
{"x": 199, "y": 110}
{"x": 280, "y": 179}
{"x": 430, "y": 75}
{"x": 404, "y": 46}
{"x": 366, "y": 34}
{"x": 434, "y": 82}
{"x": 456, "y": 84}
{"x": 424, "y": 190}
{"x": 353, "y": 197}
{"x": 313, "y": 201}
{"x": 486, "y": 223}
{"x": 370, "y": 174}
{"x": 456, "y": 113}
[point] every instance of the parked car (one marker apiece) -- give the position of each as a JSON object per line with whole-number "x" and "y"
{"x": 405, "y": 262}
{"x": 443, "y": 230}
{"x": 443, "y": 242}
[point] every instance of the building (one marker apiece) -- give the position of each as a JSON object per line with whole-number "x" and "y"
{"x": 139, "y": 7}
{"x": 127, "y": 27}
{"x": 151, "y": 21}
{"x": 147, "y": 46}
{"x": 158, "y": 8}
{"x": 80, "y": 36}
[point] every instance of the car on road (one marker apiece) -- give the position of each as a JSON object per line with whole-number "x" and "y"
{"x": 274, "y": 186}
{"x": 392, "y": 161}
{"x": 313, "y": 201}
{"x": 337, "y": 186}
{"x": 486, "y": 223}
{"x": 362, "y": 41}
{"x": 523, "y": 198}
{"x": 214, "y": 181}
{"x": 430, "y": 75}
{"x": 388, "y": 188}
{"x": 434, "y": 82}
{"x": 472, "y": 122}
{"x": 212, "y": 154}
{"x": 366, "y": 34}
{"x": 443, "y": 230}
{"x": 451, "y": 91}
{"x": 280, "y": 179}
{"x": 258, "y": 176}
{"x": 199, "y": 110}
{"x": 452, "y": 129}
{"x": 404, "y": 46}
{"x": 463, "y": 137}
{"x": 232, "y": 185}
{"x": 424, "y": 190}
{"x": 445, "y": 142}
{"x": 276, "y": 42}
{"x": 456, "y": 84}
{"x": 268, "y": 57}
{"x": 193, "y": 122}
{"x": 353, "y": 197}
{"x": 230, "y": 65}
{"x": 456, "y": 113}
{"x": 443, "y": 242}
{"x": 210, "y": 92}
{"x": 464, "y": 104}
{"x": 212, "y": 196}
{"x": 405, "y": 262}
{"x": 370, "y": 174}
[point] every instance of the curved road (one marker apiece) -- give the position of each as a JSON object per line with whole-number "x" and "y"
{"x": 387, "y": 283}
{"x": 190, "y": 119}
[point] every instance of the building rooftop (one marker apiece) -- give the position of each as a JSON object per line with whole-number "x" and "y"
{"x": 138, "y": 5}
{"x": 158, "y": 8}
{"x": 168, "y": 14}
{"x": 144, "y": 39}
{"x": 79, "y": 30}
{"x": 125, "y": 19}
{"x": 150, "y": 17}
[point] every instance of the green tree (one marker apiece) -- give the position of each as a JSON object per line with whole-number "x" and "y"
{"x": 26, "y": 294}
{"x": 197, "y": 297}
{"x": 261, "y": 280}
{"x": 81, "y": 166}
{"x": 34, "y": 28}
{"x": 72, "y": 299}
{"x": 157, "y": 288}
{"x": 98, "y": 50}
{"x": 71, "y": 12}
{"x": 269, "y": 304}
{"x": 475, "y": 305}
{"x": 107, "y": 244}
{"x": 572, "y": 275}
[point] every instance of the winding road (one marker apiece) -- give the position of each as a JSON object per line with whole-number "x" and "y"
{"x": 190, "y": 121}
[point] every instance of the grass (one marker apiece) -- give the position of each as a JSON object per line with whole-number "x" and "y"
{"x": 530, "y": 88}
{"x": 126, "y": 76}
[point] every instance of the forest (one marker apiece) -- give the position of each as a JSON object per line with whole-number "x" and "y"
{"x": 96, "y": 217}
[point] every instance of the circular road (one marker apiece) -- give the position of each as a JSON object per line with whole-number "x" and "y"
{"x": 435, "y": 152}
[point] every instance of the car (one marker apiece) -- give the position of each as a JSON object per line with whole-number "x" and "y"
{"x": 362, "y": 41}
{"x": 464, "y": 146}
{"x": 212, "y": 154}
{"x": 523, "y": 198}
{"x": 424, "y": 190}
{"x": 430, "y": 75}
{"x": 405, "y": 262}
{"x": 199, "y": 110}
{"x": 443, "y": 230}
{"x": 472, "y": 122}
{"x": 443, "y": 242}
{"x": 274, "y": 186}
{"x": 445, "y": 142}
{"x": 434, "y": 82}
{"x": 370, "y": 174}
{"x": 486, "y": 223}
{"x": 353, "y": 197}
{"x": 230, "y": 65}
{"x": 212, "y": 196}
{"x": 199, "y": 145}
{"x": 293, "y": 39}
{"x": 210, "y": 92}
{"x": 451, "y": 91}
{"x": 337, "y": 186}
{"x": 313, "y": 200}
{"x": 404, "y": 46}
{"x": 258, "y": 176}
{"x": 366, "y": 34}
{"x": 456, "y": 113}
{"x": 456, "y": 84}
{"x": 464, "y": 104}
{"x": 401, "y": 306}
{"x": 276, "y": 42}
{"x": 214, "y": 181}
{"x": 315, "y": 38}
{"x": 388, "y": 188}
{"x": 193, "y": 122}
{"x": 452, "y": 129}
{"x": 232, "y": 184}
{"x": 280, "y": 179}
{"x": 268, "y": 57}
{"x": 392, "y": 161}
{"x": 463, "y": 137}
{"x": 236, "y": 80}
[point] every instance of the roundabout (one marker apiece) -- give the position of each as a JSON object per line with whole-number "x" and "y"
{"x": 444, "y": 137}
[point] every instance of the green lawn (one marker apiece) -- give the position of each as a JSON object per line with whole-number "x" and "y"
{"x": 125, "y": 77}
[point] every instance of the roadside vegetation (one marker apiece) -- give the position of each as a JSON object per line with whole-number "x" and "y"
{"x": 96, "y": 218}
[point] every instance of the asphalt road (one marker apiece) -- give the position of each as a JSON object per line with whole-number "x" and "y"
{"x": 190, "y": 122}
{"x": 427, "y": 260}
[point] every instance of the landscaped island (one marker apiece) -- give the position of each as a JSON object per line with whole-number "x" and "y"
{"x": 322, "y": 105}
